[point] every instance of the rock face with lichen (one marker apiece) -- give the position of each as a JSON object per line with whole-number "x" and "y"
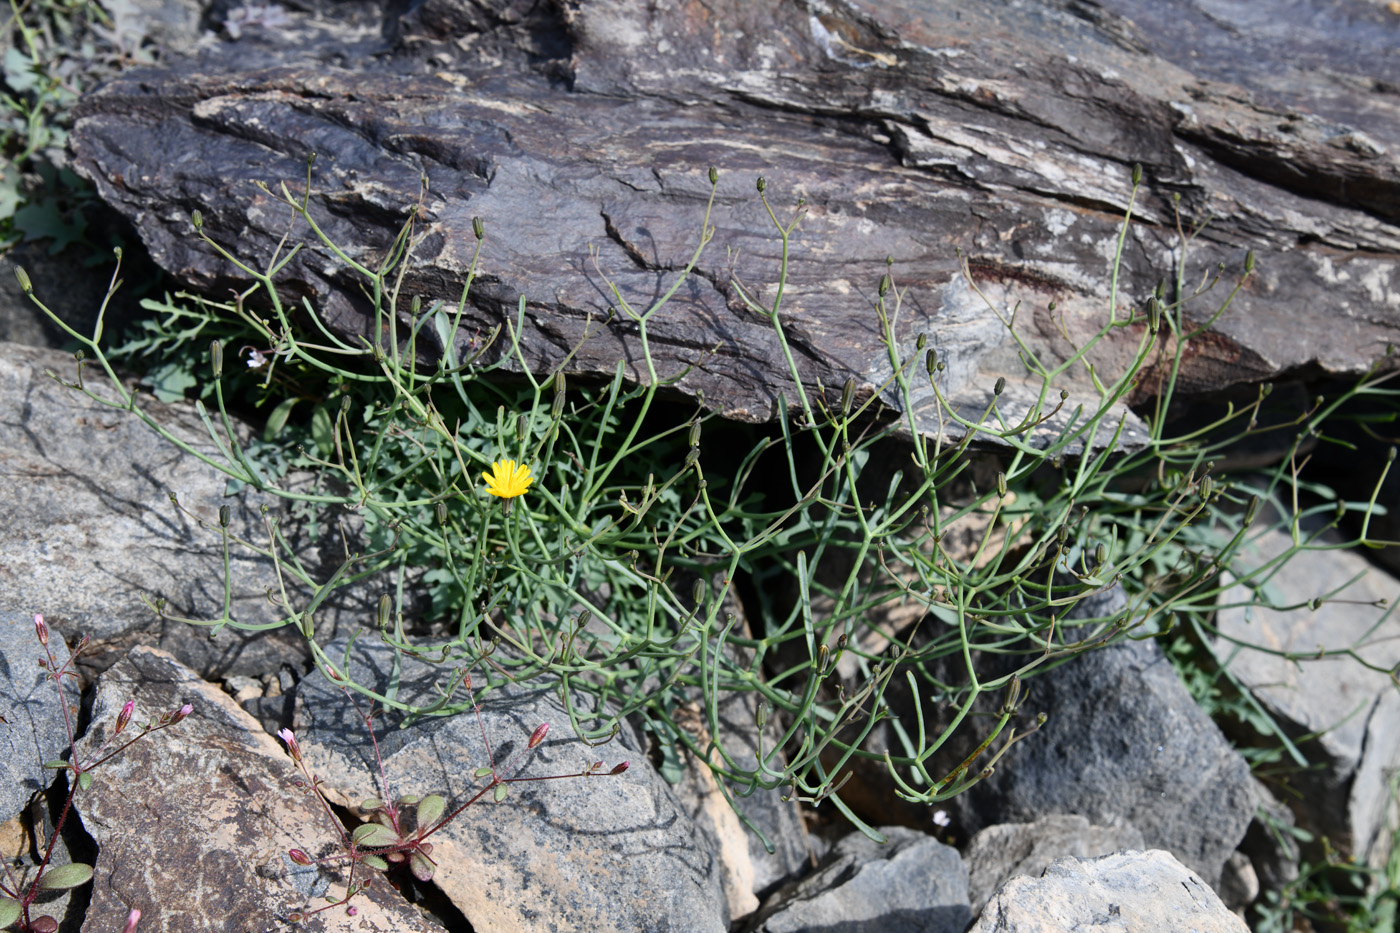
{"x": 582, "y": 134}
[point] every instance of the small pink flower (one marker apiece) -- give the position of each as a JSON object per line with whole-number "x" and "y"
{"x": 181, "y": 713}
{"x": 132, "y": 919}
{"x": 41, "y": 630}
{"x": 286, "y": 735}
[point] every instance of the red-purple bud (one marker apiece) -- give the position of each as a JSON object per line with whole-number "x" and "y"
{"x": 538, "y": 736}
{"x": 132, "y": 919}
{"x": 43, "y": 925}
{"x": 351, "y": 911}
{"x": 298, "y": 856}
{"x": 618, "y": 769}
{"x": 41, "y": 630}
{"x": 181, "y": 713}
{"x": 124, "y": 716}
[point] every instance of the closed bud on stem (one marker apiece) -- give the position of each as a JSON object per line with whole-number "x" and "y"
{"x": 440, "y": 508}
{"x": 197, "y": 218}
{"x": 522, "y": 423}
{"x": 714, "y": 175}
{"x": 386, "y": 606}
{"x": 181, "y": 713}
{"x": 22, "y": 277}
{"x": 1207, "y": 487}
{"x": 1251, "y": 510}
{"x": 1137, "y": 174}
{"x": 884, "y": 285}
{"x": 695, "y": 433}
{"x": 1001, "y": 485}
{"x": 1000, "y": 386}
{"x": 556, "y": 407}
{"x": 41, "y": 630}
{"x": 931, "y": 361}
{"x": 618, "y": 769}
{"x": 920, "y": 341}
{"x": 1249, "y": 262}
{"x": 760, "y": 715}
{"x": 415, "y": 305}
{"x": 823, "y": 660}
{"x": 479, "y": 228}
{"x": 700, "y": 592}
{"x": 293, "y": 749}
{"x": 762, "y": 184}
{"x": 1390, "y": 455}
{"x": 124, "y": 717}
{"x": 538, "y": 735}
{"x": 298, "y": 856}
{"x": 224, "y": 514}
{"x": 216, "y": 358}
{"x": 1154, "y": 314}
{"x": 848, "y": 395}
{"x": 1100, "y": 554}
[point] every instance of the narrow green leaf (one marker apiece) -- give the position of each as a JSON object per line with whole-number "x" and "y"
{"x": 373, "y": 835}
{"x": 375, "y": 862}
{"x": 56, "y": 765}
{"x": 277, "y": 419}
{"x": 430, "y": 809}
{"x": 66, "y": 876}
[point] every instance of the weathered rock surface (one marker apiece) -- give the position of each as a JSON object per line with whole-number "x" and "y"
{"x": 1350, "y": 709}
{"x": 1144, "y": 892}
{"x": 90, "y": 529}
{"x": 606, "y": 852}
{"x": 194, "y": 822}
{"x": 912, "y": 883}
{"x": 33, "y": 731}
{"x": 999, "y": 853}
{"x": 912, "y": 129}
{"x": 1121, "y": 732}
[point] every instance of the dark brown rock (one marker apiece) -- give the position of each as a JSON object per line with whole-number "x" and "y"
{"x": 912, "y": 129}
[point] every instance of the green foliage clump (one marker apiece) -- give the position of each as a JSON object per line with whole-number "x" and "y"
{"x": 614, "y": 575}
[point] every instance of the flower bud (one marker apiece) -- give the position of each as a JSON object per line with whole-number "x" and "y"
{"x": 700, "y": 592}
{"x": 1249, "y": 262}
{"x": 41, "y": 630}
{"x": 197, "y": 218}
{"x": 479, "y": 228}
{"x": 216, "y": 357}
{"x": 1100, "y": 554}
{"x": 1251, "y": 510}
{"x": 1001, "y": 485}
{"x": 386, "y": 605}
{"x": 132, "y": 919}
{"x": 224, "y": 514}
{"x": 714, "y": 175}
{"x": 931, "y": 361}
{"x": 921, "y": 341}
{"x": 181, "y": 713}
{"x": 695, "y": 433}
{"x": 440, "y": 510}
{"x": 124, "y": 717}
{"x": 1000, "y": 385}
{"x": 293, "y": 749}
{"x": 762, "y": 184}
{"x": 1137, "y": 174}
{"x": 884, "y": 285}
{"x": 298, "y": 856}
{"x": 310, "y": 159}
{"x": 618, "y": 769}
{"x": 25, "y": 285}
{"x": 538, "y": 735}
{"x": 848, "y": 395}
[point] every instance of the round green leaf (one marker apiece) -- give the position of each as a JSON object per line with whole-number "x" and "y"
{"x": 430, "y": 809}
{"x": 9, "y": 911}
{"x": 375, "y": 862}
{"x": 66, "y": 876}
{"x": 85, "y": 780}
{"x": 500, "y": 793}
{"x": 373, "y": 835}
{"x": 420, "y": 866}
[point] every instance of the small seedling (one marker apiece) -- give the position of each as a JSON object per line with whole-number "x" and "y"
{"x": 17, "y": 895}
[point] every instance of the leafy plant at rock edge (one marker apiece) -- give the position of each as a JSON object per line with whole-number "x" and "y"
{"x": 613, "y": 575}
{"x": 17, "y": 895}
{"x": 391, "y": 837}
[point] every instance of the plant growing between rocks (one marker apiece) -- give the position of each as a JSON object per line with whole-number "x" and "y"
{"x": 614, "y": 574}
{"x": 18, "y": 894}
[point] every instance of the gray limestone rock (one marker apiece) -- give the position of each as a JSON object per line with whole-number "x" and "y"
{"x": 911, "y": 884}
{"x": 603, "y": 852}
{"x": 194, "y": 822}
{"x": 1127, "y": 892}
{"x": 33, "y": 731}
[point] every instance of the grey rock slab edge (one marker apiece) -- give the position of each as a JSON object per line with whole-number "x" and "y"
{"x": 33, "y": 732}
{"x": 89, "y": 527}
{"x": 999, "y": 853}
{"x": 1121, "y": 733}
{"x": 1352, "y": 710}
{"x": 913, "y": 129}
{"x": 1141, "y": 892}
{"x": 598, "y": 853}
{"x": 194, "y": 823}
{"x": 911, "y": 884}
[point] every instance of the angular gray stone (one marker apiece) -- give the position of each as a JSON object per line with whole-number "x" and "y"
{"x": 1122, "y": 731}
{"x": 194, "y": 822}
{"x": 1351, "y": 707}
{"x": 90, "y": 528}
{"x": 33, "y": 731}
{"x": 999, "y": 853}
{"x": 1127, "y": 892}
{"x": 911, "y": 884}
{"x": 605, "y": 852}
{"x": 912, "y": 129}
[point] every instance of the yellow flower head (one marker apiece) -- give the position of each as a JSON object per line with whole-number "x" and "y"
{"x": 507, "y": 480}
